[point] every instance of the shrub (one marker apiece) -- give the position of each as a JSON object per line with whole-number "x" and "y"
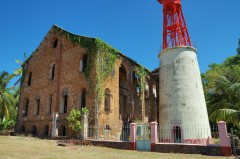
{"x": 74, "y": 119}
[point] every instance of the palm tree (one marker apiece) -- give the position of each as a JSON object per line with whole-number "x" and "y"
{"x": 18, "y": 73}
{"x": 225, "y": 99}
{"x": 6, "y": 97}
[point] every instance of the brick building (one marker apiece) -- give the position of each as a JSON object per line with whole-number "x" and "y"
{"x": 70, "y": 71}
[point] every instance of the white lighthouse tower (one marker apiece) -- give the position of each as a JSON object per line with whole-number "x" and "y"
{"x": 183, "y": 115}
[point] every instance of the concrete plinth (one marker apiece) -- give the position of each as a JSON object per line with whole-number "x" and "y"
{"x": 54, "y": 124}
{"x": 182, "y": 104}
{"x": 84, "y": 122}
{"x": 132, "y": 136}
{"x": 224, "y": 139}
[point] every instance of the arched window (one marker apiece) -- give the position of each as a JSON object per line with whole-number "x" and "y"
{"x": 122, "y": 72}
{"x": 52, "y": 72}
{"x": 83, "y": 63}
{"x": 34, "y": 130}
{"x": 64, "y": 102}
{"x": 107, "y": 100}
{"x": 83, "y": 99}
{"x": 29, "y": 79}
{"x": 37, "y": 105}
{"x": 49, "y": 105}
{"x": 25, "y": 109}
{"x": 55, "y": 43}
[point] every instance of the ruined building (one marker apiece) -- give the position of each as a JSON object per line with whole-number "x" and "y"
{"x": 69, "y": 71}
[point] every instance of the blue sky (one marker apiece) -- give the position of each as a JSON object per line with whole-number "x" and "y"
{"x": 134, "y": 27}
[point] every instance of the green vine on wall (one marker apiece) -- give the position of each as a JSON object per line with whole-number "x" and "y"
{"x": 105, "y": 65}
{"x": 141, "y": 73}
{"x": 100, "y": 55}
{"x": 88, "y": 43}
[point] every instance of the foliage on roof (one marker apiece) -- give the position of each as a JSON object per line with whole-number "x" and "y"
{"x": 92, "y": 44}
{"x": 101, "y": 55}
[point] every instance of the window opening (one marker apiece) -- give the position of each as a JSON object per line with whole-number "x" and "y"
{"x": 55, "y": 43}
{"x": 65, "y": 103}
{"x": 107, "y": 100}
{"x": 29, "y": 79}
{"x": 38, "y": 105}
{"x": 83, "y": 99}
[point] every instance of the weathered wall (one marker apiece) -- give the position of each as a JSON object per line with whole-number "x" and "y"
{"x": 112, "y": 144}
{"x": 67, "y": 77}
{"x": 66, "y": 58}
{"x": 182, "y": 101}
{"x": 212, "y": 150}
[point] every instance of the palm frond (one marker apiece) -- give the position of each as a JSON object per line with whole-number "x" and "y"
{"x": 6, "y": 112}
{"x": 19, "y": 62}
{"x": 7, "y": 98}
{"x": 228, "y": 115}
{"x": 235, "y": 87}
{"x": 220, "y": 105}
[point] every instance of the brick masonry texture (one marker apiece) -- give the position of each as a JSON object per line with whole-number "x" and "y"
{"x": 67, "y": 77}
{"x": 213, "y": 150}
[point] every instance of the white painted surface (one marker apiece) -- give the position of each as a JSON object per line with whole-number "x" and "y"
{"x": 54, "y": 124}
{"x": 182, "y": 101}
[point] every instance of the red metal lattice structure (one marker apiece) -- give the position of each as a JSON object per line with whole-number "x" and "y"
{"x": 175, "y": 32}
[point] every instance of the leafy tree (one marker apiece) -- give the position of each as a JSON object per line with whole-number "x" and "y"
{"x": 225, "y": 100}
{"x": 9, "y": 97}
{"x": 16, "y": 93}
{"x": 238, "y": 49}
{"x": 222, "y": 90}
{"x": 74, "y": 119}
{"x": 18, "y": 73}
{"x": 6, "y": 96}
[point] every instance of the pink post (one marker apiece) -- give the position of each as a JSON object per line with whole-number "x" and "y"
{"x": 133, "y": 136}
{"x": 153, "y": 126}
{"x": 224, "y": 140}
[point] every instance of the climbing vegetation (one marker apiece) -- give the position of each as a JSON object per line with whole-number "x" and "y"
{"x": 141, "y": 73}
{"x": 101, "y": 56}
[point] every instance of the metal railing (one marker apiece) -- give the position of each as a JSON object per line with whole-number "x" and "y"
{"x": 115, "y": 132}
{"x": 189, "y": 134}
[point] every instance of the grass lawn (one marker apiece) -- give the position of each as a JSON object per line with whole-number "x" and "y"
{"x": 32, "y": 148}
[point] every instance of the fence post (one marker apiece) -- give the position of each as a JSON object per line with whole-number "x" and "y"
{"x": 54, "y": 124}
{"x": 153, "y": 126}
{"x": 84, "y": 122}
{"x": 133, "y": 136}
{"x": 224, "y": 140}
{"x": 233, "y": 142}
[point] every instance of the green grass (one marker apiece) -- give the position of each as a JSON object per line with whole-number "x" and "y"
{"x": 32, "y": 148}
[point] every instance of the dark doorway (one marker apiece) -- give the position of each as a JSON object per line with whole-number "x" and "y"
{"x": 22, "y": 129}
{"x": 34, "y": 130}
{"x": 46, "y": 129}
{"x": 63, "y": 131}
{"x": 177, "y": 134}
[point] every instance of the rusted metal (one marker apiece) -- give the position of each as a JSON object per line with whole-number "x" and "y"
{"x": 175, "y": 32}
